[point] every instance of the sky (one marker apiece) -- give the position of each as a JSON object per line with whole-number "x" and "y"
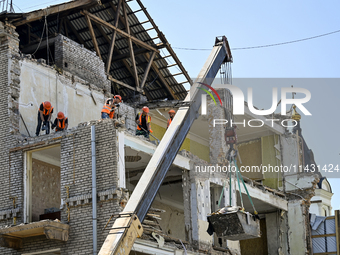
{"x": 195, "y": 24}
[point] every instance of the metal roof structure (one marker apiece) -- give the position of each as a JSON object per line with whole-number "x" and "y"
{"x": 134, "y": 62}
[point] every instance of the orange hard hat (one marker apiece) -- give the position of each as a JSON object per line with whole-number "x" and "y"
{"x": 60, "y": 115}
{"x": 172, "y": 111}
{"x": 47, "y": 105}
{"x": 145, "y": 109}
{"x": 119, "y": 97}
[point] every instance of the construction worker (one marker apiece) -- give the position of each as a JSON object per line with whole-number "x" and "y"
{"x": 143, "y": 121}
{"x": 107, "y": 111}
{"x": 111, "y": 104}
{"x": 117, "y": 99}
{"x": 61, "y": 122}
{"x": 44, "y": 117}
{"x": 171, "y": 115}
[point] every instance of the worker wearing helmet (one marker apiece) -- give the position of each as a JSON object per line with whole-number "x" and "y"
{"x": 108, "y": 111}
{"x": 44, "y": 117}
{"x": 171, "y": 116}
{"x": 61, "y": 122}
{"x": 111, "y": 104}
{"x": 143, "y": 121}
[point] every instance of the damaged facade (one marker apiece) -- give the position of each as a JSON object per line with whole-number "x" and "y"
{"x": 47, "y": 183}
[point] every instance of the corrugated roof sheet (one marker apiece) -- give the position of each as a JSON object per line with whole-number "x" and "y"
{"x": 155, "y": 87}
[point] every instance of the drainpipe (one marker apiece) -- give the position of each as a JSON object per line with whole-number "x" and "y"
{"x": 94, "y": 189}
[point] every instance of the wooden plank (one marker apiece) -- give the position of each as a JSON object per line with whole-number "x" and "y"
{"x": 65, "y": 27}
{"x": 161, "y": 77}
{"x": 132, "y": 56}
{"x": 124, "y": 84}
{"x": 104, "y": 23}
{"x": 93, "y": 36}
{"x": 324, "y": 253}
{"x": 146, "y": 72}
{"x": 325, "y": 235}
{"x": 164, "y": 40}
{"x": 36, "y": 15}
{"x": 112, "y": 43}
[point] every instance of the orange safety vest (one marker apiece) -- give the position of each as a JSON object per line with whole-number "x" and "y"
{"x": 148, "y": 121}
{"x": 169, "y": 122}
{"x": 45, "y": 111}
{"x": 61, "y": 124}
{"x": 108, "y": 110}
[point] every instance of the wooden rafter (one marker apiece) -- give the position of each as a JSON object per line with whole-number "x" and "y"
{"x": 164, "y": 40}
{"x": 36, "y": 15}
{"x": 74, "y": 31}
{"x": 153, "y": 65}
{"x": 94, "y": 40}
{"x": 124, "y": 84}
{"x": 112, "y": 43}
{"x": 132, "y": 56}
{"x": 65, "y": 27}
{"x": 106, "y": 24}
{"x": 146, "y": 72}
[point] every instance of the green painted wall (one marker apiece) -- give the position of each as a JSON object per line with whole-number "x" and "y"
{"x": 194, "y": 147}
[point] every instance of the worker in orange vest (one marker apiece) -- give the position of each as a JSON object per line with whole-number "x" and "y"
{"x": 143, "y": 121}
{"x": 171, "y": 115}
{"x": 61, "y": 122}
{"x": 111, "y": 104}
{"x": 44, "y": 117}
{"x": 108, "y": 111}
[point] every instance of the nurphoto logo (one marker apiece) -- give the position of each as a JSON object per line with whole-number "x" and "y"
{"x": 238, "y": 104}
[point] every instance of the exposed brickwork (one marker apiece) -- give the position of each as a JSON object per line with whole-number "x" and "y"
{"x": 10, "y": 181}
{"x": 73, "y": 57}
{"x": 76, "y": 172}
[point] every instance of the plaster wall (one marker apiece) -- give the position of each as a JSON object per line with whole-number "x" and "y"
{"x": 41, "y": 83}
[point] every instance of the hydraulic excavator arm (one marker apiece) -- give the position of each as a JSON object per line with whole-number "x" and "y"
{"x": 127, "y": 227}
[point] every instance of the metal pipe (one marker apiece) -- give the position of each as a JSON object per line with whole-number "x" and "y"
{"x": 94, "y": 189}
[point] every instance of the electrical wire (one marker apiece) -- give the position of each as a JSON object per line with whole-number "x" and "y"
{"x": 41, "y": 4}
{"x": 42, "y": 35}
{"x": 267, "y": 45}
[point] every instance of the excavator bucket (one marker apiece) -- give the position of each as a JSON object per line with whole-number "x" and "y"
{"x": 235, "y": 226}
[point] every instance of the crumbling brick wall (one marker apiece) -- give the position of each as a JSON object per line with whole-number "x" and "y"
{"x": 76, "y": 173}
{"x": 9, "y": 125}
{"x": 74, "y": 58}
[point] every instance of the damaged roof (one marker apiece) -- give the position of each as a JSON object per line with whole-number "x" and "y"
{"x": 93, "y": 23}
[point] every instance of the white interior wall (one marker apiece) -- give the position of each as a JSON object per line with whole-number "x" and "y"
{"x": 40, "y": 83}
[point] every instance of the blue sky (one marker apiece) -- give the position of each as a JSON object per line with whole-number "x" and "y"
{"x": 196, "y": 23}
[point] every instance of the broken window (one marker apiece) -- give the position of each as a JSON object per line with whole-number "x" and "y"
{"x": 43, "y": 184}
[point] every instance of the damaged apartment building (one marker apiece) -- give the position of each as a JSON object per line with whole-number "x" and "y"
{"x": 60, "y": 193}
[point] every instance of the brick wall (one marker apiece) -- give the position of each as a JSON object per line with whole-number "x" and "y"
{"x": 9, "y": 94}
{"x": 76, "y": 172}
{"x": 74, "y": 58}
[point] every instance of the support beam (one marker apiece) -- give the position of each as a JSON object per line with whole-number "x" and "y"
{"x": 124, "y": 84}
{"x": 146, "y": 72}
{"x": 65, "y": 27}
{"x": 161, "y": 77}
{"x": 112, "y": 44}
{"x": 74, "y": 31}
{"x": 164, "y": 40}
{"x": 132, "y": 56}
{"x": 94, "y": 40}
{"x": 36, "y": 15}
{"x": 104, "y": 23}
